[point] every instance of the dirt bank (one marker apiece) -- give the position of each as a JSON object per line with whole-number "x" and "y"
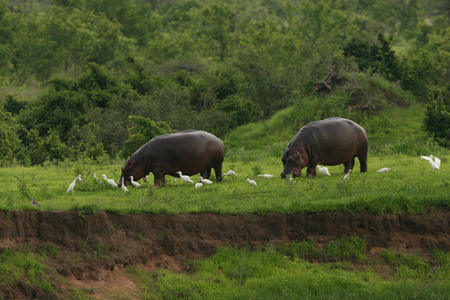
{"x": 94, "y": 248}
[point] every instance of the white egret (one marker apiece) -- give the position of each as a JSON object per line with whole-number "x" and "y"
{"x": 205, "y": 181}
{"x": 34, "y": 202}
{"x": 146, "y": 179}
{"x": 123, "y": 187}
{"x": 111, "y": 182}
{"x": 134, "y": 183}
{"x": 384, "y": 170}
{"x": 252, "y": 182}
{"x": 72, "y": 185}
{"x": 291, "y": 180}
{"x": 198, "y": 185}
{"x": 436, "y": 164}
{"x": 185, "y": 178}
{"x": 266, "y": 176}
{"x": 324, "y": 170}
{"x": 95, "y": 176}
{"x": 230, "y": 173}
{"x": 348, "y": 175}
{"x": 79, "y": 177}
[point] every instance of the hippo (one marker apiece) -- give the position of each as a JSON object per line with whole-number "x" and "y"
{"x": 188, "y": 151}
{"x": 332, "y": 141}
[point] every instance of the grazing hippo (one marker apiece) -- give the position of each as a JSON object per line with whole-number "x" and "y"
{"x": 330, "y": 142}
{"x": 188, "y": 151}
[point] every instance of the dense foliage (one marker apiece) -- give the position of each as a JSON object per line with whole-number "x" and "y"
{"x": 75, "y": 74}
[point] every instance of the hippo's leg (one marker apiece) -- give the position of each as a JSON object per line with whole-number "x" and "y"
{"x": 311, "y": 171}
{"x": 158, "y": 177}
{"x": 206, "y": 173}
{"x": 348, "y": 165}
{"x": 218, "y": 171}
{"x": 363, "y": 161}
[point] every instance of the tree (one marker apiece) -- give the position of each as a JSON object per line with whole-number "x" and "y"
{"x": 142, "y": 130}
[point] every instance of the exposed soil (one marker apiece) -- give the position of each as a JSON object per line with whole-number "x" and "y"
{"x": 94, "y": 250}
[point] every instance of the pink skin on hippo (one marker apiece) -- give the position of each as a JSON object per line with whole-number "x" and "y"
{"x": 330, "y": 142}
{"x": 188, "y": 151}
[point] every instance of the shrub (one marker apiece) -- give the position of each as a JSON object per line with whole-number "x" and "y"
{"x": 437, "y": 118}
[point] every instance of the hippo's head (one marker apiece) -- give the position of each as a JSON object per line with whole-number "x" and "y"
{"x": 131, "y": 168}
{"x": 292, "y": 161}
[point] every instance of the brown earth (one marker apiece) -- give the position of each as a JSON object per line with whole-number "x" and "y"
{"x": 94, "y": 250}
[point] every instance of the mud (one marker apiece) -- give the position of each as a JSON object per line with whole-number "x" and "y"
{"x": 94, "y": 249}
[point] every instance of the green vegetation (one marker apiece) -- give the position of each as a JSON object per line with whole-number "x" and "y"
{"x": 79, "y": 77}
{"x": 283, "y": 272}
{"x": 23, "y": 263}
{"x": 398, "y": 141}
{"x": 85, "y": 83}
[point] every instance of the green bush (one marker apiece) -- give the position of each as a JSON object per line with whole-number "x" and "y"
{"x": 437, "y": 118}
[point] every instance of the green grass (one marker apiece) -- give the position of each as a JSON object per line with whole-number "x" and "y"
{"x": 412, "y": 186}
{"x": 270, "y": 273}
{"x": 26, "y": 265}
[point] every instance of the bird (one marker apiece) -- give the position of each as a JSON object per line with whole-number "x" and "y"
{"x": 252, "y": 182}
{"x": 291, "y": 180}
{"x": 146, "y": 179}
{"x": 324, "y": 170}
{"x": 111, "y": 182}
{"x": 198, "y": 185}
{"x": 95, "y": 176}
{"x": 348, "y": 175}
{"x": 72, "y": 185}
{"x": 34, "y": 202}
{"x": 384, "y": 170}
{"x": 205, "y": 181}
{"x": 185, "y": 178}
{"x": 123, "y": 187}
{"x": 134, "y": 183}
{"x": 79, "y": 177}
{"x": 436, "y": 164}
{"x": 266, "y": 176}
{"x": 230, "y": 173}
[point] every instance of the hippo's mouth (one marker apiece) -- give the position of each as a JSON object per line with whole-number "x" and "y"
{"x": 296, "y": 172}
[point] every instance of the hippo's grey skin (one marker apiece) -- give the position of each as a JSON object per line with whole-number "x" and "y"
{"x": 331, "y": 141}
{"x": 188, "y": 151}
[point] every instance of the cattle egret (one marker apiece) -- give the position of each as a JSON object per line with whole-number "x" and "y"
{"x": 72, "y": 185}
{"x": 134, "y": 183}
{"x": 205, "y": 181}
{"x": 95, "y": 177}
{"x": 123, "y": 187}
{"x": 252, "y": 182}
{"x": 436, "y": 164}
{"x": 324, "y": 170}
{"x": 384, "y": 170}
{"x": 79, "y": 177}
{"x": 111, "y": 182}
{"x": 348, "y": 174}
{"x": 266, "y": 176}
{"x": 230, "y": 173}
{"x": 34, "y": 202}
{"x": 146, "y": 179}
{"x": 198, "y": 185}
{"x": 292, "y": 181}
{"x": 185, "y": 178}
